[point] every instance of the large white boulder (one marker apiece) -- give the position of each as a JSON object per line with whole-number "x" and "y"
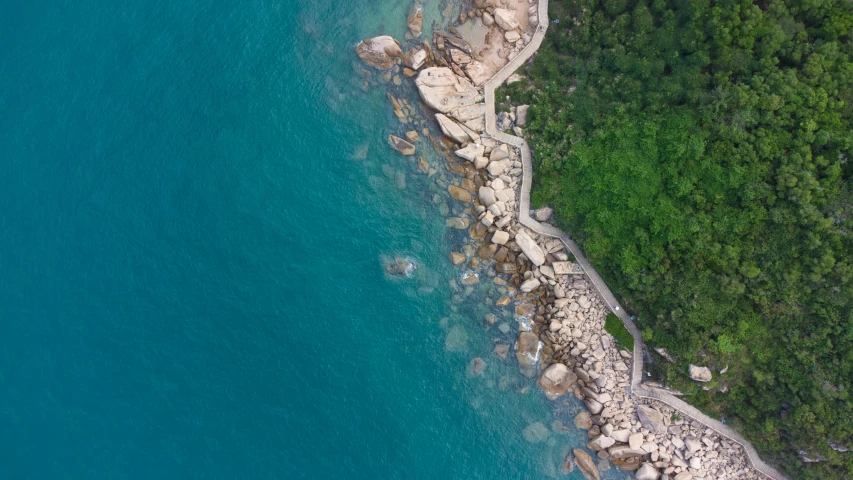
{"x": 477, "y": 72}
{"x": 379, "y": 52}
{"x": 700, "y": 374}
{"x": 506, "y": 19}
{"x": 530, "y": 285}
{"x": 470, "y": 152}
{"x": 451, "y": 128}
{"x": 530, "y": 248}
{"x": 647, "y": 472}
{"x": 469, "y": 112}
{"x": 442, "y": 90}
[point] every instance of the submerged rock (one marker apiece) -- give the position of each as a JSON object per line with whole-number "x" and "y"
{"x": 521, "y": 115}
{"x": 583, "y": 420}
{"x": 400, "y": 266}
{"x": 457, "y": 339}
{"x": 536, "y": 432}
{"x": 401, "y": 145}
{"x": 527, "y": 353}
{"x": 379, "y": 52}
{"x": 543, "y": 214}
{"x": 415, "y": 19}
{"x": 459, "y": 193}
{"x": 476, "y": 367}
{"x": 585, "y": 464}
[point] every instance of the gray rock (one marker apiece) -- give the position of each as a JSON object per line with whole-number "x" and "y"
{"x": 543, "y": 214}
{"x": 585, "y": 464}
{"x": 521, "y": 116}
{"x": 415, "y": 19}
{"x": 693, "y": 444}
{"x": 530, "y": 248}
{"x": 536, "y": 432}
{"x": 647, "y": 472}
{"x": 401, "y": 145}
{"x": 457, "y": 339}
{"x": 529, "y": 285}
{"x": 501, "y": 152}
{"x": 652, "y": 419}
{"x": 487, "y": 196}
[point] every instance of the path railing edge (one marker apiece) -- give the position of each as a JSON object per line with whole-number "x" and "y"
{"x": 637, "y": 388}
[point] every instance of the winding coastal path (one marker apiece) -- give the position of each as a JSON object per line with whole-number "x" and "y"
{"x": 637, "y": 388}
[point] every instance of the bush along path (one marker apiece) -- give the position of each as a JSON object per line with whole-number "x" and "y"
{"x": 653, "y": 404}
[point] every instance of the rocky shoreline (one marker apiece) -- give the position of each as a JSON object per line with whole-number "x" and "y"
{"x": 561, "y": 338}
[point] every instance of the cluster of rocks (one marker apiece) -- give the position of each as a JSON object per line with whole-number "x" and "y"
{"x": 561, "y": 338}
{"x": 566, "y": 338}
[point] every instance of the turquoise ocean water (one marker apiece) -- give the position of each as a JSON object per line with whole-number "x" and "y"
{"x": 190, "y": 258}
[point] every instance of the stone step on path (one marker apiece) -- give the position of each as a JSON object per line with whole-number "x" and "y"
{"x": 637, "y": 388}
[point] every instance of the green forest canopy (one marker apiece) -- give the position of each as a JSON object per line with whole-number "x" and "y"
{"x": 699, "y": 151}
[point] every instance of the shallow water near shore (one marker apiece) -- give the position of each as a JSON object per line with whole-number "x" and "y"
{"x": 191, "y": 259}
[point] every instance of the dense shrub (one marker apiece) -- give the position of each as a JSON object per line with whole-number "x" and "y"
{"x": 698, "y": 150}
{"x": 614, "y": 326}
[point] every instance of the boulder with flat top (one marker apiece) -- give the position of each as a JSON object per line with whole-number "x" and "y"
{"x": 442, "y": 90}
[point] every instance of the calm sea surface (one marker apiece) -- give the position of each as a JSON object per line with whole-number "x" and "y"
{"x": 191, "y": 282}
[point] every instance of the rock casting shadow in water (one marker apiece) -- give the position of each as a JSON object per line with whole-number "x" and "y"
{"x": 399, "y": 266}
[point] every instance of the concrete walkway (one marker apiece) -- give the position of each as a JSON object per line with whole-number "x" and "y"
{"x": 637, "y": 388}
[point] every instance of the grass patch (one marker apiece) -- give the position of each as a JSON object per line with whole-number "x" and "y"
{"x": 615, "y": 327}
